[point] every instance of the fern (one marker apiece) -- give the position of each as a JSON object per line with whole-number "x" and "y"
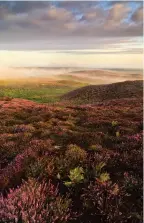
{"x": 114, "y": 123}
{"x": 117, "y": 134}
{"x": 104, "y": 177}
{"x": 99, "y": 168}
{"x": 76, "y": 176}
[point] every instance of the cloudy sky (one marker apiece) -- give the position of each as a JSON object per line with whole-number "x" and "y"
{"x": 103, "y": 34}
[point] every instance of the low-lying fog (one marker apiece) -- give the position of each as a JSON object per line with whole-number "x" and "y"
{"x": 86, "y": 75}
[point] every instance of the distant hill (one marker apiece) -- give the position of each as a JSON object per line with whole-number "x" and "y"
{"x": 96, "y": 93}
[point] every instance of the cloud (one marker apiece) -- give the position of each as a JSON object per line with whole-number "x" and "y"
{"x": 116, "y": 14}
{"x": 78, "y": 5}
{"x": 137, "y": 16}
{"x": 23, "y": 6}
{"x": 3, "y": 12}
{"x": 93, "y": 14}
{"x": 69, "y": 19}
{"x": 60, "y": 14}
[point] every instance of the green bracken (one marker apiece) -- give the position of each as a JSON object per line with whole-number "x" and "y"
{"x": 76, "y": 176}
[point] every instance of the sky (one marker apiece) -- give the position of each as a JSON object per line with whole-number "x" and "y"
{"x": 95, "y": 34}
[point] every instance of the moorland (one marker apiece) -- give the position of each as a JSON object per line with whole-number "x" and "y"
{"x": 70, "y": 152}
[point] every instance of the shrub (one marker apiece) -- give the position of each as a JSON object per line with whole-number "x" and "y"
{"x": 36, "y": 169}
{"x": 104, "y": 199}
{"x": 75, "y": 154}
{"x": 35, "y": 202}
{"x": 130, "y": 182}
{"x": 96, "y": 148}
{"x": 48, "y": 142}
{"x": 23, "y": 128}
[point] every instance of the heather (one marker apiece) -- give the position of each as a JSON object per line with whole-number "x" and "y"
{"x": 71, "y": 163}
{"x": 97, "y": 93}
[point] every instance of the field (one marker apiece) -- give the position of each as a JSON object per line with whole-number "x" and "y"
{"x": 42, "y": 93}
{"x": 38, "y": 94}
{"x": 70, "y": 163}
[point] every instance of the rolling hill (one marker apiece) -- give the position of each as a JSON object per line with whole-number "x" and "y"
{"x": 96, "y": 93}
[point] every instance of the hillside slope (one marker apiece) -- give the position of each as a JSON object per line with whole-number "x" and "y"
{"x": 95, "y": 93}
{"x": 66, "y": 162}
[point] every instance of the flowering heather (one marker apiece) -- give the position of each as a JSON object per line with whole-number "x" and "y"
{"x": 59, "y": 160}
{"x": 34, "y": 202}
{"x": 23, "y": 128}
{"x": 104, "y": 199}
{"x": 97, "y": 93}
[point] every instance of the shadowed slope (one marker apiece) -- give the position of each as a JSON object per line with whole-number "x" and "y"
{"x": 96, "y": 93}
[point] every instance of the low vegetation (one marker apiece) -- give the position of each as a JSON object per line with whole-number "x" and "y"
{"x": 42, "y": 92}
{"x": 97, "y": 93}
{"x": 71, "y": 163}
